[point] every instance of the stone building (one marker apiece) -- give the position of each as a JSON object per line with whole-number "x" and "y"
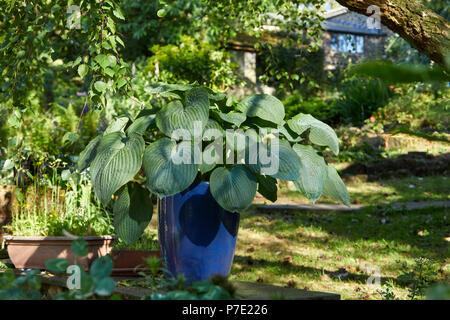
{"x": 347, "y": 37}
{"x": 350, "y": 36}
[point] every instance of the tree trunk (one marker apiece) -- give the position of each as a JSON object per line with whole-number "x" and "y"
{"x": 424, "y": 29}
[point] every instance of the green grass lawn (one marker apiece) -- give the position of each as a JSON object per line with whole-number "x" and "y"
{"x": 384, "y": 191}
{"x": 335, "y": 252}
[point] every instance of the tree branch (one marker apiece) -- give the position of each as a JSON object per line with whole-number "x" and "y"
{"x": 424, "y": 29}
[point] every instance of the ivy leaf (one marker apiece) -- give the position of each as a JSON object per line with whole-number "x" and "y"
{"x": 132, "y": 212}
{"x": 118, "y": 160}
{"x": 320, "y": 133}
{"x": 334, "y": 187}
{"x": 166, "y": 175}
{"x": 233, "y": 189}
{"x": 263, "y": 106}
{"x": 313, "y": 172}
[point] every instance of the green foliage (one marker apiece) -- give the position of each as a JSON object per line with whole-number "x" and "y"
{"x": 320, "y": 108}
{"x": 400, "y": 73}
{"x": 360, "y": 98}
{"x": 171, "y": 162}
{"x": 418, "y": 277}
{"x": 25, "y": 287}
{"x": 189, "y": 61}
{"x": 48, "y": 210}
{"x": 417, "y": 109}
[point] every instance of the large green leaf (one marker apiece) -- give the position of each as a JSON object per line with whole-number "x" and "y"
{"x": 334, "y": 188}
{"x": 267, "y": 187}
{"x": 320, "y": 133}
{"x": 88, "y": 154}
{"x": 117, "y": 124}
{"x": 175, "y": 116}
{"x": 313, "y": 172}
{"x": 165, "y": 175}
{"x": 236, "y": 118}
{"x": 263, "y": 106}
{"x": 277, "y": 151}
{"x": 233, "y": 189}
{"x": 141, "y": 124}
{"x": 132, "y": 212}
{"x": 118, "y": 160}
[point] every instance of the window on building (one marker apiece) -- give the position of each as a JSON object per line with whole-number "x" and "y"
{"x": 348, "y": 43}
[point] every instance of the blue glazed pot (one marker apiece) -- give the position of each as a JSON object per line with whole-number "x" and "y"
{"x": 197, "y": 236}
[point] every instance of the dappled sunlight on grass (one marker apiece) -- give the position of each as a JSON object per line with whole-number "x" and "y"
{"x": 384, "y": 191}
{"x": 336, "y": 252}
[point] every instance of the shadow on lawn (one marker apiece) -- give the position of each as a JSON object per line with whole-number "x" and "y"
{"x": 247, "y": 263}
{"x": 418, "y": 164}
{"x": 424, "y": 231}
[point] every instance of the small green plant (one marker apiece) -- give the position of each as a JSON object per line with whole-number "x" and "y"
{"x": 95, "y": 283}
{"x": 45, "y": 209}
{"x": 418, "y": 277}
{"x": 168, "y": 287}
{"x": 25, "y": 287}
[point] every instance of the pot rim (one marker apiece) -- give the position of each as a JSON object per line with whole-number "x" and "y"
{"x": 53, "y": 238}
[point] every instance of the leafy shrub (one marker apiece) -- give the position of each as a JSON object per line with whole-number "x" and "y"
{"x": 191, "y": 61}
{"x": 321, "y": 109}
{"x": 416, "y": 110}
{"x": 360, "y": 98}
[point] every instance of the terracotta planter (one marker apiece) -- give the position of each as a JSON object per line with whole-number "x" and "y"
{"x": 129, "y": 262}
{"x": 33, "y": 252}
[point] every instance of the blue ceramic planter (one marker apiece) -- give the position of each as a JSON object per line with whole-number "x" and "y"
{"x": 197, "y": 237}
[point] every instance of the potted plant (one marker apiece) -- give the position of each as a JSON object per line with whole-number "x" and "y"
{"x": 184, "y": 152}
{"x": 46, "y": 220}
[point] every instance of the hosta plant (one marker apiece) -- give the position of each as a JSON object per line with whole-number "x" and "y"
{"x": 197, "y": 134}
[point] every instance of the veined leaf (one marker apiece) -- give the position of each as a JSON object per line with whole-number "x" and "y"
{"x": 175, "y": 116}
{"x": 118, "y": 160}
{"x": 236, "y": 118}
{"x": 313, "y": 172}
{"x": 334, "y": 188}
{"x": 233, "y": 189}
{"x": 280, "y": 161}
{"x": 320, "y": 133}
{"x": 88, "y": 154}
{"x": 116, "y": 125}
{"x": 141, "y": 124}
{"x": 166, "y": 173}
{"x": 133, "y": 211}
{"x": 263, "y": 106}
